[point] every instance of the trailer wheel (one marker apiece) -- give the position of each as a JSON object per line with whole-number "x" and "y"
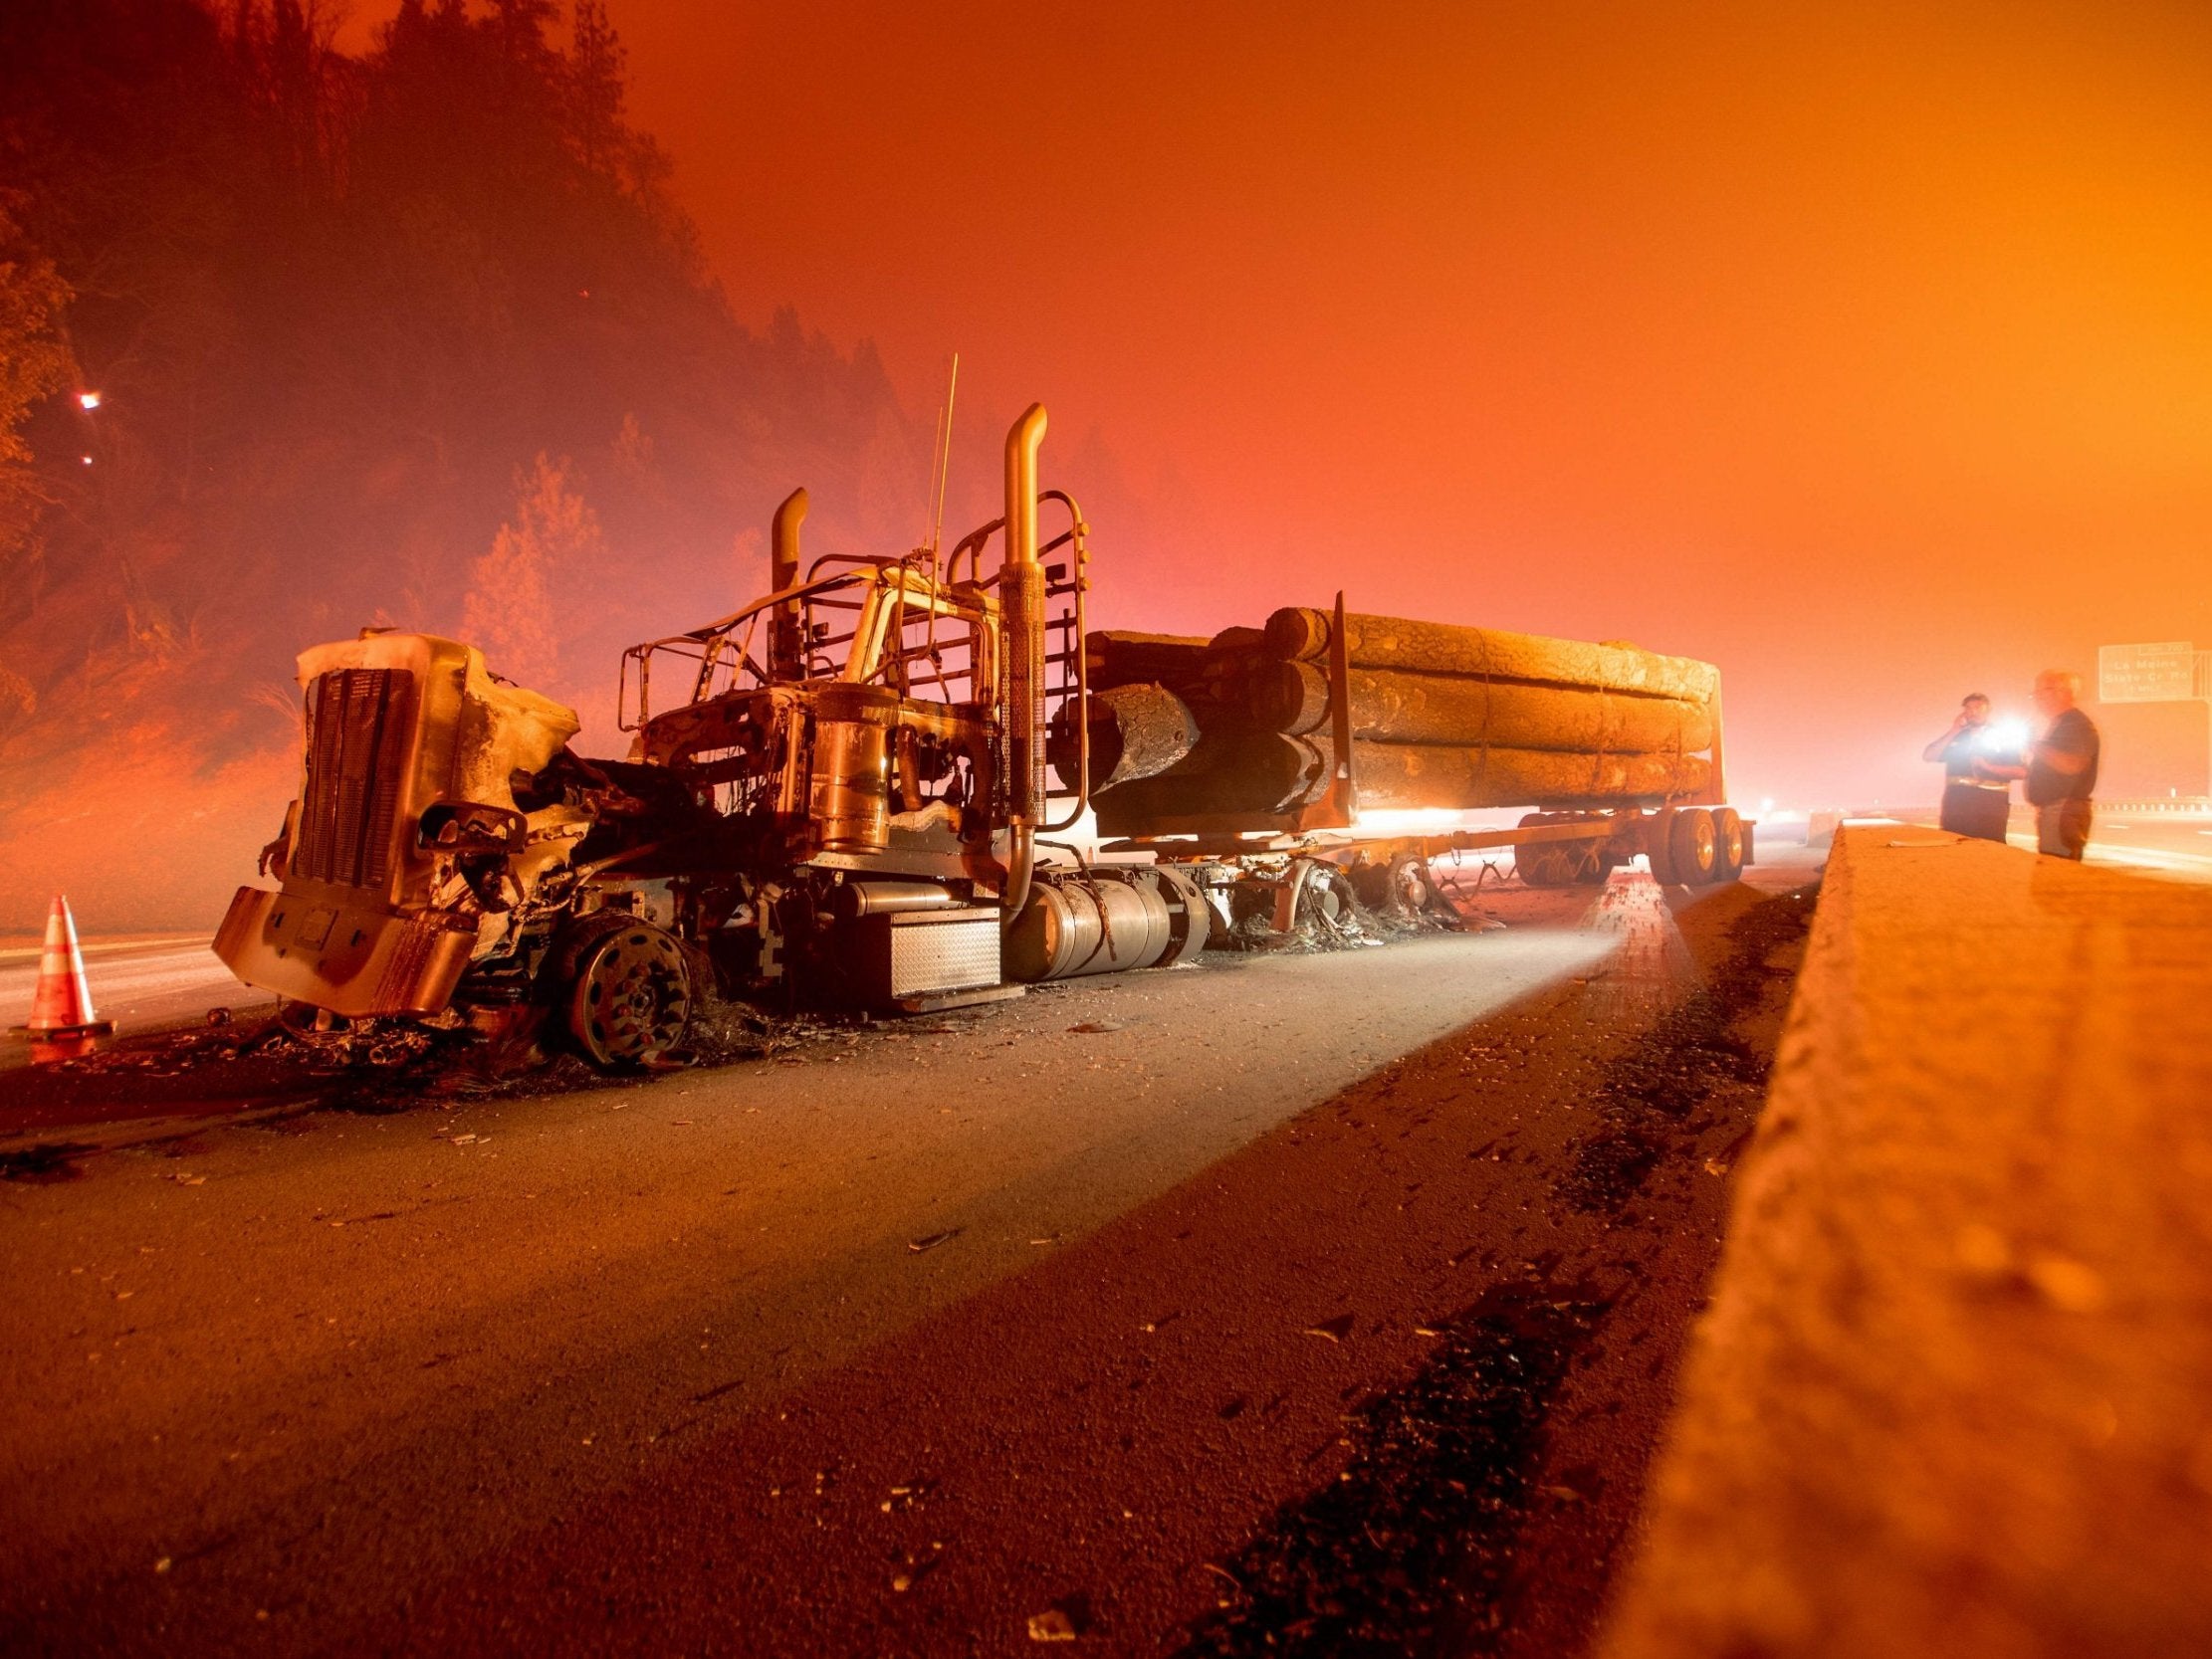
{"x": 625, "y": 988}
{"x": 1325, "y": 901}
{"x": 1536, "y": 861}
{"x": 1407, "y": 887}
{"x": 1537, "y": 866}
{"x": 1729, "y": 845}
{"x": 1691, "y": 846}
{"x": 1585, "y": 863}
{"x": 1659, "y": 830}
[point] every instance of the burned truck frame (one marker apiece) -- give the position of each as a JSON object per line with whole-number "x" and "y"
{"x": 846, "y": 802}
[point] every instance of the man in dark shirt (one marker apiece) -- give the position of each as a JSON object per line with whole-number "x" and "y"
{"x": 2062, "y": 768}
{"x": 1977, "y": 799}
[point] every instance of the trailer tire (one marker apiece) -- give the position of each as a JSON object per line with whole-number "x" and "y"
{"x": 1691, "y": 846}
{"x": 1407, "y": 887}
{"x": 1585, "y": 863}
{"x": 1537, "y": 866}
{"x": 1534, "y": 862}
{"x": 1327, "y": 901}
{"x": 1657, "y": 831}
{"x": 624, "y": 991}
{"x": 1729, "y": 844}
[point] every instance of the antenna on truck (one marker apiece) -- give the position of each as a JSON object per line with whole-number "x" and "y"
{"x": 944, "y": 457}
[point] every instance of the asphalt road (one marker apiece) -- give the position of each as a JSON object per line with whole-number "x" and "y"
{"x": 901, "y": 1340}
{"x": 2152, "y": 845}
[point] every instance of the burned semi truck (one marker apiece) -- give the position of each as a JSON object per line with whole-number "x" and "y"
{"x": 848, "y": 799}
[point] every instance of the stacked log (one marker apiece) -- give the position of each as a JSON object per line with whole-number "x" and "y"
{"x": 1175, "y": 660}
{"x": 1299, "y": 634}
{"x": 1398, "y": 707}
{"x": 1469, "y": 779}
{"x": 1441, "y": 715}
{"x": 1137, "y": 732}
{"x": 1256, "y": 773}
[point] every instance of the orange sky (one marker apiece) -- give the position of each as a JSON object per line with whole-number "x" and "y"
{"x": 1864, "y": 350}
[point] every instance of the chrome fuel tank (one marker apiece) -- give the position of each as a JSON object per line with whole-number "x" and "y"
{"x": 1106, "y": 921}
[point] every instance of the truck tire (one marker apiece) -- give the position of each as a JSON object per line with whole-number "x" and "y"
{"x": 1691, "y": 846}
{"x": 624, "y": 987}
{"x": 1728, "y": 845}
{"x": 1401, "y": 887}
{"x": 1585, "y": 863}
{"x": 1657, "y": 833}
{"x": 1533, "y": 860}
{"x": 1327, "y": 901}
{"x": 1537, "y": 863}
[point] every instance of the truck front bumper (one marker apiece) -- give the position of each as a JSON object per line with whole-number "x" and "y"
{"x": 336, "y": 952}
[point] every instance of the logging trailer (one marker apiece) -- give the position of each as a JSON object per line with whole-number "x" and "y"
{"x": 845, "y": 802}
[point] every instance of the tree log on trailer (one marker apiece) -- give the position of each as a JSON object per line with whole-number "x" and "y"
{"x": 1257, "y": 773}
{"x": 1401, "y": 707}
{"x": 1175, "y": 660}
{"x": 1137, "y": 732}
{"x": 1300, "y": 634}
{"x": 1469, "y": 779}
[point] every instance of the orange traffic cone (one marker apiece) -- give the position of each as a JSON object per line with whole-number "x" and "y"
{"x": 63, "y": 1007}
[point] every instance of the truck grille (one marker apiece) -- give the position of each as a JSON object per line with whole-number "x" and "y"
{"x": 356, "y": 744}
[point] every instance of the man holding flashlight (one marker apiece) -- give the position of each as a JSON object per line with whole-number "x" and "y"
{"x": 2062, "y": 767}
{"x": 1977, "y": 793}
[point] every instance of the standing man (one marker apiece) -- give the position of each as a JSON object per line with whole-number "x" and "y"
{"x": 2062, "y": 767}
{"x": 1977, "y": 796}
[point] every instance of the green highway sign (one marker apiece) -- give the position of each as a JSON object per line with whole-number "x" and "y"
{"x": 2164, "y": 673}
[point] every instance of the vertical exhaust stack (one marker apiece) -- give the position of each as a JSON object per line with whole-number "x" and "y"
{"x": 786, "y": 651}
{"x": 1021, "y": 590}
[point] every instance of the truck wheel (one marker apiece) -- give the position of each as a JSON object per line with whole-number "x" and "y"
{"x": 1729, "y": 845}
{"x": 1691, "y": 846}
{"x": 625, "y": 988}
{"x": 1325, "y": 903}
{"x": 1658, "y": 831}
{"x": 1583, "y": 863}
{"x": 1536, "y": 866}
{"x": 1537, "y": 863}
{"x": 1407, "y": 887}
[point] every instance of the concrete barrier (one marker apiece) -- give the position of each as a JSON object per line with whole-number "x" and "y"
{"x": 1953, "y": 1393}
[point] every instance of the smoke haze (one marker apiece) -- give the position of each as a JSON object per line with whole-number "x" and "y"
{"x": 1861, "y": 350}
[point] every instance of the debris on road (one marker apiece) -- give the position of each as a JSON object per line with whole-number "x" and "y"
{"x": 1657, "y": 1092}
{"x": 1057, "y": 1623}
{"x": 933, "y": 1240}
{"x": 1418, "y": 1531}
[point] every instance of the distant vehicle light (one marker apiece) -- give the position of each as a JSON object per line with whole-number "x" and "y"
{"x": 88, "y": 401}
{"x": 87, "y": 460}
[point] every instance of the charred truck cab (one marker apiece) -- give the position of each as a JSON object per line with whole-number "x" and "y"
{"x": 841, "y": 807}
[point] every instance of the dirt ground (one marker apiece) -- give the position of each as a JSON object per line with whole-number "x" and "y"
{"x": 1306, "y": 1303}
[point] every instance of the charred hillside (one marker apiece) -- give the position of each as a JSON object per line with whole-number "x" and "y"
{"x": 418, "y": 336}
